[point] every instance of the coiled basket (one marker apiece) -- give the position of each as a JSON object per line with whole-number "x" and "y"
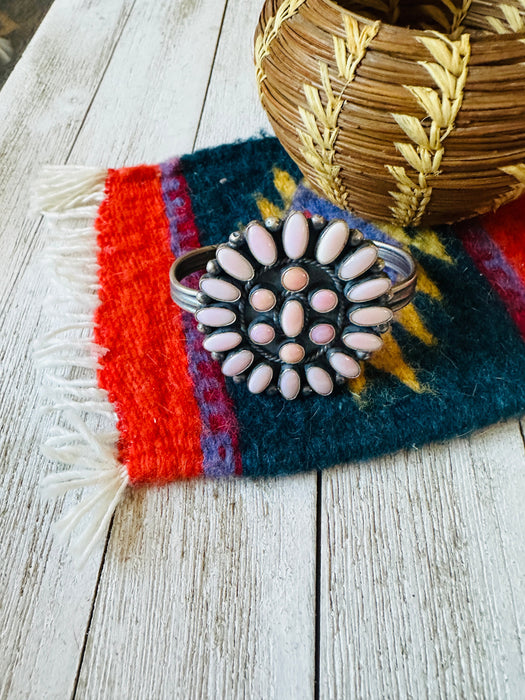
{"x": 399, "y": 111}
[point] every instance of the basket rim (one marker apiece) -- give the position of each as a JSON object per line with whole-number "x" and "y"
{"x": 476, "y": 34}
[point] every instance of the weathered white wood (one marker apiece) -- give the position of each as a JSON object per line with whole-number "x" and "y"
{"x": 44, "y": 603}
{"x": 208, "y": 589}
{"x": 423, "y": 572}
{"x": 207, "y": 592}
{"x": 232, "y": 110}
{"x": 148, "y": 106}
{"x": 42, "y": 106}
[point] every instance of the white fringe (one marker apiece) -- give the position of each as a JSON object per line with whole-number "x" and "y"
{"x": 68, "y": 359}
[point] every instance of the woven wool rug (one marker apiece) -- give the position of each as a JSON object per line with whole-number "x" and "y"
{"x": 139, "y": 399}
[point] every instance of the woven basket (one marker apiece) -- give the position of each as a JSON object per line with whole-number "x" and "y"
{"x": 399, "y": 111}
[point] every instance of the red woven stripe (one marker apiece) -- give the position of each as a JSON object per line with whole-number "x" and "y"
{"x": 506, "y": 227}
{"x": 491, "y": 262}
{"x": 145, "y": 370}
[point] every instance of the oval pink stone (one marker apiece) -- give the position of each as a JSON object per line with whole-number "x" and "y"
{"x": 295, "y": 235}
{"x": 344, "y": 365}
{"x": 320, "y": 381}
{"x": 219, "y": 289}
{"x": 370, "y": 289}
{"x": 234, "y": 263}
{"x": 367, "y": 342}
{"x": 357, "y": 263}
{"x": 262, "y": 300}
{"x": 371, "y": 316}
{"x": 289, "y": 384}
{"x": 292, "y": 318}
{"x": 261, "y": 333}
{"x": 260, "y": 378}
{"x": 332, "y": 241}
{"x": 324, "y": 300}
{"x": 215, "y": 316}
{"x": 237, "y": 363}
{"x": 220, "y": 342}
{"x": 294, "y": 279}
{"x": 261, "y": 244}
{"x": 292, "y": 353}
{"x": 322, "y": 334}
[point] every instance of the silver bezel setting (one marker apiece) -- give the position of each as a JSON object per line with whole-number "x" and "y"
{"x": 320, "y": 277}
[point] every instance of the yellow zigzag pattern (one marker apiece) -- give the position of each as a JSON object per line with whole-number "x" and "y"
{"x": 286, "y": 186}
{"x": 390, "y": 358}
{"x": 426, "y": 240}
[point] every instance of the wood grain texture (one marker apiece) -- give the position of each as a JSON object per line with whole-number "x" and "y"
{"x": 44, "y": 603}
{"x": 42, "y": 107}
{"x": 19, "y": 20}
{"x": 423, "y": 572}
{"x": 232, "y": 109}
{"x": 207, "y": 592}
{"x": 148, "y": 106}
{"x": 208, "y": 588}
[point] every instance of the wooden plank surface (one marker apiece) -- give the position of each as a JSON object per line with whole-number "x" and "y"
{"x": 208, "y": 590}
{"x": 44, "y": 603}
{"x": 210, "y": 570}
{"x": 423, "y": 572}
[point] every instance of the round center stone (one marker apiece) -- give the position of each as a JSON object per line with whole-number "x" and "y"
{"x": 291, "y": 353}
{"x": 284, "y": 303}
{"x": 295, "y": 279}
{"x": 262, "y": 299}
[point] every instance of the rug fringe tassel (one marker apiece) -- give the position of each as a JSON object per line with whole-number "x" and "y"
{"x": 86, "y": 438}
{"x": 66, "y": 188}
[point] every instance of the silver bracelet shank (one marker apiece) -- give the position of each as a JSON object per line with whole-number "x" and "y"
{"x": 396, "y": 259}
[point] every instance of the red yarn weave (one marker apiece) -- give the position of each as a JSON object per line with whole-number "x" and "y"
{"x": 505, "y": 227}
{"x": 152, "y": 392}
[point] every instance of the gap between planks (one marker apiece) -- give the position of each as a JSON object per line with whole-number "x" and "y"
{"x": 66, "y": 161}
{"x": 97, "y": 669}
{"x": 110, "y": 528}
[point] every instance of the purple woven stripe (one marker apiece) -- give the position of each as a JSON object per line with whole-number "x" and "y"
{"x": 220, "y": 433}
{"x": 306, "y": 200}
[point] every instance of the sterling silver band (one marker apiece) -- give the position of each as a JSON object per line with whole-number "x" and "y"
{"x": 397, "y": 260}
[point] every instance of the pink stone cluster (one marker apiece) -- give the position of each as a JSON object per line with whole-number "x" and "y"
{"x": 293, "y": 312}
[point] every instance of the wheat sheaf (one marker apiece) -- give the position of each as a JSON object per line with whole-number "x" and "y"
{"x": 514, "y": 20}
{"x": 447, "y": 15}
{"x": 515, "y": 191}
{"x": 441, "y": 107}
{"x": 320, "y": 120}
{"x": 263, "y": 42}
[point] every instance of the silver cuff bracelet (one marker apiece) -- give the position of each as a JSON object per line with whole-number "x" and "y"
{"x": 294, "y": 306}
